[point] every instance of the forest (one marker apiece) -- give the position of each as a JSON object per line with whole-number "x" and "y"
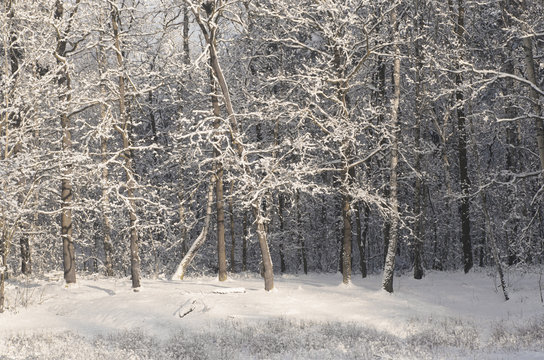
{"x": 147, "y": 138}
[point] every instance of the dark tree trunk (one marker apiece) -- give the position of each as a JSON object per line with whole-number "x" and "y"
{"x": 346, "y": 248}
{"x": 362, "y": 236}
{"x": 26, "y": 262}
{"x": 244, "y": 243}
{"x": 300, "y": 237}
{"x": 462, "y": 149}
{"x": 281, "y": 205}
{"x": 232, "y": 233}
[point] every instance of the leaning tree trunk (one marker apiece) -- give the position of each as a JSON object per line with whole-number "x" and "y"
{"x": 387, "y": 282}
{"x": 209, "y": 31}
{"x": 182, "y": 267}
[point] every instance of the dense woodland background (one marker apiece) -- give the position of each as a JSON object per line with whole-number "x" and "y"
{"x": 322, "y": 135}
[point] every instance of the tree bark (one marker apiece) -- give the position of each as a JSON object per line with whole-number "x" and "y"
{"x": 244, "y": 243}
{"x": 106, "y": 223}
{"x": 219, "y": 201}
{"x": 488, "y": 226}
{"x": 4, "y": 251}
{"x": 387, "y": 282}
{"x": 232, "y": 232}
{"x": 532, "y": 77}
{"x": 346, "y": 244}
{"x": 199, "y": 241}
{"x": 300, "y": 237}
{"x": 64, "y": 82}
{"x": 281, "y": 206}
{"x": 263, "y": 244}
{"x": 362, "y": 233}
{"x": 209, "y": 32}
{"x": 418, "y": 233}
{"x": 462, "y": 150}
{"x": 123, "y": 129}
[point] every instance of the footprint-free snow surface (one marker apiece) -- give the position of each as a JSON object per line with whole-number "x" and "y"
{"x": 446, "y": 315}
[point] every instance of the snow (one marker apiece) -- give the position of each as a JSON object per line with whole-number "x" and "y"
{"x": 468, "y": 308}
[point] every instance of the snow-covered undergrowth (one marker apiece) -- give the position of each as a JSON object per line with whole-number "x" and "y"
{"x": 444, "y": 316}
{"x": 280, "y": 339}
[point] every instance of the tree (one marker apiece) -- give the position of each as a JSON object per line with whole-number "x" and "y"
{"x": 64, "y": 83}
{"x": 387, "y": 282}
{"x": 123, "y": 128}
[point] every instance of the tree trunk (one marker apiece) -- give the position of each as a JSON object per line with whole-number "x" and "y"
{"x": 68, "y": 249}
{"x": 127, "y": 154}
{"x": 232, "y": 233}
{"x": 462, "y": 150}
{"x": 418, "y": 233}
{"x": 537, "y": 109}
{"x": 221, "y": 248}
{"x": 106, "y": 223}
{"x": 244, "y": 243}
{"x": 263, "y": 244}
{"x": 26, "y": 261}
{"x": 362, "y": 234}
{"x": 219, "y": 204}
{"x": 387, "y": 282}
{"x": 281, "y": 205}
{"x": 301, "y": 241}
{"x": 4, "y": 251}
{"x": 182, "y": 267}
{"x": 488, "y": 226}
{"x": 346, "y": 244}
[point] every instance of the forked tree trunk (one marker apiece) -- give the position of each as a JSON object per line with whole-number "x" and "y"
{"x": 209, "y": 31}
{"x": 387, "y": 282}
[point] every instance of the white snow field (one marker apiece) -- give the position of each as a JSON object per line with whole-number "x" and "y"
{"x": 447, "y": 315}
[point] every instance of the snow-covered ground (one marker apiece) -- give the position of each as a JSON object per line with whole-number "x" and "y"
{"x": 445, "y": 315}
